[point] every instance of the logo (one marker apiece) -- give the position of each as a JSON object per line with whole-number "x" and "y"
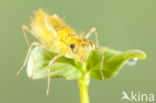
{"x": 137, "y": 96}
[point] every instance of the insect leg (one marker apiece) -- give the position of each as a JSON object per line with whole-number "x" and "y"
{"x": 28, "y": 53}
{"x": 24, "y": 29}
{"x": 101, "y": 66}
{"x": 50, "y": 65}
{"x": 93, "y": 30}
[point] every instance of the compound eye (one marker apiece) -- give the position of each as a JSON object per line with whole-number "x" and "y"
{"x": 73, "y": 47}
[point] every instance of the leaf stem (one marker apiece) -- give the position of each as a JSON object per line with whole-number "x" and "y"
{"x": 83, "y": 84}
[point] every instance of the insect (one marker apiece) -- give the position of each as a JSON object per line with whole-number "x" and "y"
{"x": 56, "y": 36}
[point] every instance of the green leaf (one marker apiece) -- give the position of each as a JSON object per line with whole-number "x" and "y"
{"x": 72, "y": 69}
{"x": 113, "y": 61}
{"x": 37, "y": 66}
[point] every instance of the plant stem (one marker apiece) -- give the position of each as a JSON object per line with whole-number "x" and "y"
{"x": 84, "y": 94}
{"x": 83, "y": 84}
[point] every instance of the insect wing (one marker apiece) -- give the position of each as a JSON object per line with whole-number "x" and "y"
{"x": 42, "y": 29}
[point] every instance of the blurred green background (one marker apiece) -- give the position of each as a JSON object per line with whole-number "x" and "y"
{"x": 121, "y": 24}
